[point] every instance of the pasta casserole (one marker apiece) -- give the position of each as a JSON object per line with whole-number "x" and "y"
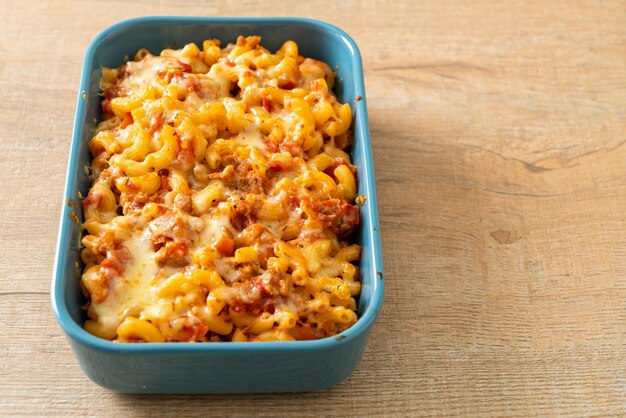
{"x": 222, "y": 199}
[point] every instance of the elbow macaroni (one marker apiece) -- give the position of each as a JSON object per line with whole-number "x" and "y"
{"x": 222, "y": 200}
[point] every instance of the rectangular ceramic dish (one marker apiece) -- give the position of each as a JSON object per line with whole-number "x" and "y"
{"x": 215, "y": 367}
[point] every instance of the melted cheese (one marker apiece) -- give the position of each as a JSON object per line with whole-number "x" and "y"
{"x": 133, "y": 290}
{"x": 216, "y": 225}
{"x": 226, "y": 270}
{"x": 251, "y": 138}
{"x": 146, "y": 72}
{"x": 177, "y": 246}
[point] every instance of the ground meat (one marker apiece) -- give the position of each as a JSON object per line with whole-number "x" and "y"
{"x": 173, "y": 253}
{"x": 227, "y": 173}
{"x": 251, "y": 297}
{"x": 338, "y": 215}
{"x": 133, "y": 202}
{"x": 244, "y": 215}
{"x": 115, "y": 261}
{"x": 170, "y": 226}
{"x": 182, "y": 202}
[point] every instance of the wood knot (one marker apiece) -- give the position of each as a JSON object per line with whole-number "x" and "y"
{"x": 505, "y": 237}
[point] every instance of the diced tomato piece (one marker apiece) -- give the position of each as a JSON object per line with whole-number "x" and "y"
{"x": 176, "y": 249}
{"x": 156, "y": 123}
{"x": 195, "y": 331}
{"x": 92, "y": 199}
{"x": 128, "y": 119}
{"x": 226, "y": 246}
{"x": 267, "y": 105}
{"x": 306, "y": 333}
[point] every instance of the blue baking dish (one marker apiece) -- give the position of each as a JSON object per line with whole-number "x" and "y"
{"x": 215, "y": 367}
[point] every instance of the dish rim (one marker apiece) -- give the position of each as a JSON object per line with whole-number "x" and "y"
{"x": 59, "y": 280}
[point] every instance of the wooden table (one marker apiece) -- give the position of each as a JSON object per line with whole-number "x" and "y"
{"x": 499, "y": 135}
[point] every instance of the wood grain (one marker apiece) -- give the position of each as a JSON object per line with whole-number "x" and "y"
{"x": 499, "y": 135}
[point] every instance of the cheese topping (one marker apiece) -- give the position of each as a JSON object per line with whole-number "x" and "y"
{"x": 133, "y": 289}
{"x": 221, "y": 205}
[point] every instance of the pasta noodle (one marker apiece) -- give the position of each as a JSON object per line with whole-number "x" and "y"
{"x": 222, "y": 199}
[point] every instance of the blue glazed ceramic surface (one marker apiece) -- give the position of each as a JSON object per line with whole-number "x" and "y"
{"x": 216, "y": 367}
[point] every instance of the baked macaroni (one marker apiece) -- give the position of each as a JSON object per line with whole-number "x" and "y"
{"x": 222, "y": 199}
